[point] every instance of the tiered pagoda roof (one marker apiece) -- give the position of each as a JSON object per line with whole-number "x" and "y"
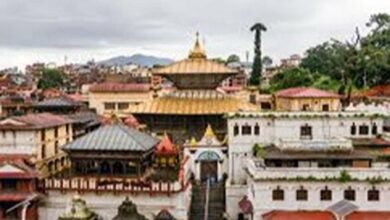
{"x": 194, "y": 102}
{"x": 191, "y": 73}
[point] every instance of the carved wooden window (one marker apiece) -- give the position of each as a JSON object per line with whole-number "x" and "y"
{"x": 363, "y": 129}
{"x": 301, "y": 194}
{"x": 278, "y": 194}
{"x": 373, "y": 195}
{"x": 350, "y": 194}
{"x": 326, "y": 194}
{"x": 246, "y": 130}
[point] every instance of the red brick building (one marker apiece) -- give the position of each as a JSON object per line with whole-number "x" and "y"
{"x": 18, "y": 195}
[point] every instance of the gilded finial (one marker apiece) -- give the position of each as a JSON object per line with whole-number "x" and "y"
{"x": 193, "y": 142}
{"x": 197, "y": 52}
{"x": 209, "y": 133}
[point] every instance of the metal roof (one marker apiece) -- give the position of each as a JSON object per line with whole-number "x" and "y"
{"x": 115, "y": 137}
{"x": 342, "y": 208}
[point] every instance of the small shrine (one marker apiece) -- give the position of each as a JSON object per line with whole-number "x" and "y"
{"x": 209, "y": 156}
{"x": 78, "y": 210}
{"x": 128, "y": 211}
{"x": 166, "y": 153}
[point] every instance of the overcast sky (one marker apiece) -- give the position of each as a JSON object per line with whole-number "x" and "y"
{"x": 49, "y": 30}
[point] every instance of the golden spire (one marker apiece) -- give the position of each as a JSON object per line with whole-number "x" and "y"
{"x": 197, "y": 52}
{"x": 209, "y": 133}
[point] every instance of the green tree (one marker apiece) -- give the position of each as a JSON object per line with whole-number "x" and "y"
{"x": 267, "y": 61}
{"x": 257, "y": 67}
{"x": 291, "y": 77}
{"x": 51, "y": 78}
{"x": 233, "y": 58}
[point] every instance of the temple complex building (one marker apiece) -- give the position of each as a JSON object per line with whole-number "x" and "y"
{"x": 115, "y": 162}
{"x": 194, "y": 102}
{"x": 306, "y": 161}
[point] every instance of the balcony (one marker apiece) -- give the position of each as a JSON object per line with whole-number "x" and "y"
{"x": 257, "y": 171}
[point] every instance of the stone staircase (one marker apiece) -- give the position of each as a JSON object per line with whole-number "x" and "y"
{"x": 216, "y": 206}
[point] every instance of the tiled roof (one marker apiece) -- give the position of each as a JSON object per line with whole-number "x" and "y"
{"x": 195, "y": 66}
{"x": 57, "y": 102}
{"x": 193, "y": 103}
{"x": 21, "y": 163}
{"x": 84, "y": 117}
{"x": 119, "y": 87}
{"x": 376, "y": 91}
{"x": 34, "y": 121}
{"x": 113, "y": 137}
{"x": 303, "y": 92}
{"x": 368, "y": 215}
{"x": 299, "y": 215}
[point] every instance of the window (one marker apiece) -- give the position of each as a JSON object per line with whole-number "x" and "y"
{"x": 306, "y": 132}
{"x": 363, "y": 129}
{"x": 325, "y": 107}
{"x": 349, "y": 194}
{"x": 257, "y": 129}
{"x": 301, "y": 194}
{"x": 277, "y": 194}
{"x": 43, "y": 153}
{"x": 236, "y": 130}
{"x": 373, "y": 194}
{"x": 246, "y": 130}
{"x": 305, "y": 107}
{"x": 353, "y": 129}
{"x": 8, "y": 184}
{"x": 67, "y": 129}
{"x": 326, "y": 194}
{"x": 123, "y": 106}
{"x": 56, "y": 132}
{"x": 374, "y": 129}
{"x": 43, "y": 135}
{"x": 109, "y": 106}
{"x": 56, "y": 147}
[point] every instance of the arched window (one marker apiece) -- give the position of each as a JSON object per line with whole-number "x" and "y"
{"x": 350, "y": 194}
{"x": 373, "y": 194}
{"x": 278, "y": 194}
{"x": 236, "y": 130}
{"x": 374, "y": 129}
{"x": 257, "y": 129}
{"x": 301, "y": 194}
{"x": 353, "y": 129}
{"x": 246, "y": 129}
{"x": 326, "y": 194}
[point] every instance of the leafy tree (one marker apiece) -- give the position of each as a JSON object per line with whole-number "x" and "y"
{"x": 233, "y": 58}
{"x": 51, "y": 78}
{"x": 291, "y": 77}
{"x": 257, "y": 67}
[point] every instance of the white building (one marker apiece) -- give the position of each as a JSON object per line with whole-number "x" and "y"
{"x": 301, "y": 155}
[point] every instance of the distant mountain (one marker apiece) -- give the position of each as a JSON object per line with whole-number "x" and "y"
{"x": 139, "y": 59}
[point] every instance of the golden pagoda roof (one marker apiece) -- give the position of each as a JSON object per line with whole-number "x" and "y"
{"x": 199, "y": 102}
{"x": 196, "y": 63}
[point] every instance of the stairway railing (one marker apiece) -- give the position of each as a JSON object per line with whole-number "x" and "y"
{"x": 206, "y": 208}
